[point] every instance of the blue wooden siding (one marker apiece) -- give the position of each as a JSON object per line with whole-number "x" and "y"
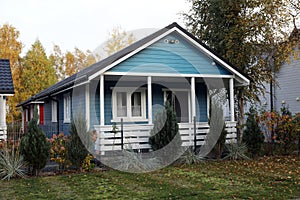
{"x": 162, "y": 57}
{"x": 201, "y": 102}
{"x": 78, "y": 102}
{"x": 94, "y": 103}
{"x": 157, "y": 99}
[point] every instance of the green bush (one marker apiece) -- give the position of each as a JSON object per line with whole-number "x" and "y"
{"x": 253, "y": 136}
{"x": 165, "y": 129}
{"x": 34, "y": 146}
{"x": 76, "y": 150}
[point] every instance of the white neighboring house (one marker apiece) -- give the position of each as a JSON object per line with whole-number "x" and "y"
{"x": 287, "y": 88}
{"x": 6, "y": 89}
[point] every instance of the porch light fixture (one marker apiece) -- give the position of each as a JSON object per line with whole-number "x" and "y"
{"x": 213, "y": 63}
{"x": 298, "y": 99}
{"x": 283, "y": 102}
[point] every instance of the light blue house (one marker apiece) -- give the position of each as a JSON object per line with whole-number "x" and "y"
{"x": 133, "y": 85}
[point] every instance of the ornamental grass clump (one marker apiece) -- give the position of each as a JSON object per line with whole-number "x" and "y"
{"x": 12, "y": 164}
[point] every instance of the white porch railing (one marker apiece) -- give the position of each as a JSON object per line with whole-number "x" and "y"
{"x": 3, "y": 132}
{"x": 136, "y": 136}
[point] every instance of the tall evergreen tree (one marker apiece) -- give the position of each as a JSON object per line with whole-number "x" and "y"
{"x": 34, "y": 146}
{"x": 38, "y": 73}
{"x": 247, "y": 34}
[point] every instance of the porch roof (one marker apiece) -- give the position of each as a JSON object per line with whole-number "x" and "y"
{"x": 102, "y": 66}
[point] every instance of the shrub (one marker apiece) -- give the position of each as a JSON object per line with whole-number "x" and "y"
{"x": 165, "y": 129}
{"x": 253, "y": 137}
{"x": 58, "y": 150}
{"x": 286, "y": 131}
{"x": 12, "y": 164}
{"x": 34, "y": 146}
{"x": 236, "y": 151}
{"x": 215, "y": 122}
{"x": 76, "y": 150}
{"x": 190, "y": 157}
{"x": 130, "y": 161}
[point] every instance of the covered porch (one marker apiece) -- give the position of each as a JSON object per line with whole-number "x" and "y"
{"x": 127, "y": 122}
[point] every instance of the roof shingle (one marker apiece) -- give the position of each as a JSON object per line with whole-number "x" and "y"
{"x": 6, "y": 81}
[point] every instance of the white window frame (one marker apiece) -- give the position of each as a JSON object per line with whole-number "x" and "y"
{"x": 129, "y": 117}
{"x": 54, "y": 110}
{"x": 67, "y": 108}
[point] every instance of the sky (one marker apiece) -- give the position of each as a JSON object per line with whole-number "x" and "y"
{"x": 85, "y": 23}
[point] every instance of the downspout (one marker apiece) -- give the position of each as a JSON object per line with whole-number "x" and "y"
{"x": 57, "y": 112}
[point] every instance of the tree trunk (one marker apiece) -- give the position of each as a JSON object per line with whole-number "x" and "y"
{"x": 241, "y": 114}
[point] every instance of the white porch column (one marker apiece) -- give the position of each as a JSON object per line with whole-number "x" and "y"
{"x": 193, "y": 97}
{"x": 87, "y": 105}
{"x": 149, "y": 87}
{"x": 102, "y": 100}
{"x": 2, "y": 112}
{"x": 231, "y": 99}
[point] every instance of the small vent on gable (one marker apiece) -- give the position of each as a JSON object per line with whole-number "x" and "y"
{"x": 171, "y": 41}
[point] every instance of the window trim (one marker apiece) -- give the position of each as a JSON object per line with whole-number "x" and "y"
{"x": 67, "y": 118}
{"x": 54, "y": 111}
{"x": 129, "y": 117}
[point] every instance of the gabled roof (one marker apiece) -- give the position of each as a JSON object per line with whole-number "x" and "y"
{"x": 6, "y": 81}
{"x": 100, "y": 67}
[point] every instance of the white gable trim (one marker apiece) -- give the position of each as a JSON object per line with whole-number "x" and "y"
{"x": 238, "y": 75}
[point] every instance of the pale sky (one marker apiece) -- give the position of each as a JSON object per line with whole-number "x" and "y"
{"x": 85, "y": 23}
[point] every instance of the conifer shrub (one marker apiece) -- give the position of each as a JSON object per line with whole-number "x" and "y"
{"x": 165, "y": 129}
{"x": 34, "y": 146}
{"x": 253, "y": 136}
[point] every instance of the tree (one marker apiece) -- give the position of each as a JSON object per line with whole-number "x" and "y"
{"x": 118, "y": 39}
{"x": 68, "y": 63}
{"x": 34, "y": 146}
{"x": 11, "y": 48}
{"x": 253, "y": 136}
{"x": 216, "y": 121}
{"x": 165, "y": 129}
{"x": 248, "y": 34}
{"x": 76, "y": 150}
{"x": 38, "y": 73}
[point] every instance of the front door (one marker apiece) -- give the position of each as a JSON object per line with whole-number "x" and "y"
{"x": 180, "y": 102}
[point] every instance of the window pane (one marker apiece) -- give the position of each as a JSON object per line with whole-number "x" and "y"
{"x": 121, "y": 104}
{"x": 136, "y": 107}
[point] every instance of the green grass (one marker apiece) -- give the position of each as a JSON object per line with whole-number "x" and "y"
{"x": 266, "y": 178}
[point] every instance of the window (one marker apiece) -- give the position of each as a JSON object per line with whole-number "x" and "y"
{"x": 67, "y": 108}
{"x": 136, "y": 104}
{"x": 129, "y": 104}
{"x": 54, "y": 111}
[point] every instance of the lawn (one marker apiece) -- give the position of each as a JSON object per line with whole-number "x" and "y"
{"x": 265, "y": 178}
